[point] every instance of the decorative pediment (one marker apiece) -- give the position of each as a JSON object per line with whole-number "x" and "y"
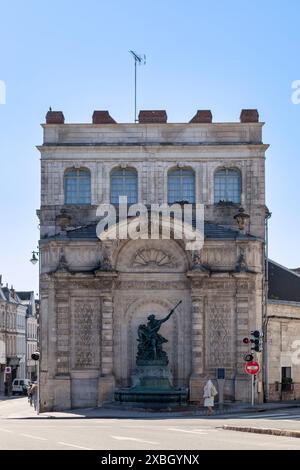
{"x": 152, "y": 257}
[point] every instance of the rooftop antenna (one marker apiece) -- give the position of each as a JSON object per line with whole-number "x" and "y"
{"x": 140, "y": 60}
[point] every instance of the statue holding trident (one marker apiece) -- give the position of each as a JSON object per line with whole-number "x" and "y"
{"x": 150, "y": 342}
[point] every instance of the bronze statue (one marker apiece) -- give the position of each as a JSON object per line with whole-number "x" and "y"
{"x": 150, "y": 342}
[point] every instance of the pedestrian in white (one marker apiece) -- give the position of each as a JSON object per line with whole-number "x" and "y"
{"x": 209, "y": 394}
{"x": 34, "y": 394}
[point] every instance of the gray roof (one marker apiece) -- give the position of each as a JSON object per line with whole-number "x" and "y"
{"x": 8, "y": 295}
{"x": 25, "y": 295}
{"x": 284, "y": 283}
{"x": 212, "y": 231}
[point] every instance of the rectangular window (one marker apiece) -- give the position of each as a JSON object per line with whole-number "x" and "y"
{"x": 286, "y": 372}
{"x": 286, "y": 379}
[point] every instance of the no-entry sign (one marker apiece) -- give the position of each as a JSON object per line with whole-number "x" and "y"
{"x": 252, "y": 367}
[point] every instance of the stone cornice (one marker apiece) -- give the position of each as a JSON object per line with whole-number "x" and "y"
{"x": 201, "y": 146}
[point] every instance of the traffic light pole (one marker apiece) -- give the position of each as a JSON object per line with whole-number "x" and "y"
{"x": 252, "y": 389}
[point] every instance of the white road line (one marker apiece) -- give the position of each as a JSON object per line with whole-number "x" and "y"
{"x": 199, "y": 432}
{"x": 73, "y": 445}
{"x": 135, "y": 439}
{"x": 33, "y": 437}
{"x": 5, "y": 430}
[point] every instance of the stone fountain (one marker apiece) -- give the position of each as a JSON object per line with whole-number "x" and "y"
{"x": 152, "y": 380}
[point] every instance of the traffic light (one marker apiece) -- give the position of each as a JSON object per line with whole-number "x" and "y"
{"x": 248, "y": 357}
{"x": 35, "y": 356}
{"x": 256, "y": 340}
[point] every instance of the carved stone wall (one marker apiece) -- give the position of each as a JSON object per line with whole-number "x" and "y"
{"x": 220, "y": 333}
{"x": 90, "y": 328}
{"x": 85, "y": 334}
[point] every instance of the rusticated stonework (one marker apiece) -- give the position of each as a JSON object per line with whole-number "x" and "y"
{"x": 85, "y": 331}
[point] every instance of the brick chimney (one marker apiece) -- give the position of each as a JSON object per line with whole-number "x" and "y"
{"x": 249, "y": 115}
{"x": 55, "y": 117}
{"x": 203, "y": 116}
{"x": 102, "y": 117}
{"x": 152, "y": 117}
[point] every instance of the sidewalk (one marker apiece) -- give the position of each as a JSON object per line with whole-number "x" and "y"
{"x": 279, "y": 431}
{"x": 20, "y": 409}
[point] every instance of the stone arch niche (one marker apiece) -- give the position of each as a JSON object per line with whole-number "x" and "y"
{"x": 152, "y": 279}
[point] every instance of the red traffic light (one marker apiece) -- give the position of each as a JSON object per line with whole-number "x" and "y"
{"x": 246, "y": 340}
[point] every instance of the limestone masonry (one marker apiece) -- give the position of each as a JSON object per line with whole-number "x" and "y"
{"x": 95, "y": 294}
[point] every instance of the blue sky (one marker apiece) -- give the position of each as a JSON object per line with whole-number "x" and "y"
{"x": 73, "y": 56}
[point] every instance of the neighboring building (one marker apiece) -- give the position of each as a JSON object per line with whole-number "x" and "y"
{"x": 18, "y": 333}
{"x": 95, "y": 294}
{"x": 14, "y": 331}
{"x": 3, "y": 334}
{"x": 21, "y": 339}
{"x": 27, "y": 299}
{"x": 283, "y": 333}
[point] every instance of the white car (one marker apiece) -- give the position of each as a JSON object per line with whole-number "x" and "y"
{"x": 19, "y": 386}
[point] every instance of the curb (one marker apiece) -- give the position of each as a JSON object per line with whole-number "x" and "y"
{"x": 272, "y": 432}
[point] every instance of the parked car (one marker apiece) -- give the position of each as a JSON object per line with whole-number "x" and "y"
{"x": 19, "y": 386}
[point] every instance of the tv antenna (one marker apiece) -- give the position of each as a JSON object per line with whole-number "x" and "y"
{"x": 140, "y": 60}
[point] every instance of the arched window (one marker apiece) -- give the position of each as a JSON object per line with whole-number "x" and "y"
{"x": 124, "y": 182}
{"x": 77, "y": 184}
{"x": 227, "y": 185}
{"x": 181, "y": 186}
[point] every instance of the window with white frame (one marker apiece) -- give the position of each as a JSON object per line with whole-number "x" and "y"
{"x": 124, "y": 182}
{"x": 77, "y": 186}
{"x": 181, "y": 186}
{"x": 227, "y": 186}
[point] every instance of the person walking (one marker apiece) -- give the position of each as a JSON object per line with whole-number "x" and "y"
{"x": 209, "y": 394}
{"x": 29, "y": 394}
{"x": 34, "y": 394}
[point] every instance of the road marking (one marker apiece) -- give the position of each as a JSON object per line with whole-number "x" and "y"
{"x": 33, "y": 437}
{"x": 74, "y": 445}
{"x": 5, "y": 430}
{"x": 135, "y": 439}
{"x": 290, "y": 420}
{"x": 199, "y": 432}
{"x": 259, "y": 415}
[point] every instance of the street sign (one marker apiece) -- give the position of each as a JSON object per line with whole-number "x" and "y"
{"x": 252, "y": 367}
{"x": 7, "y": 370}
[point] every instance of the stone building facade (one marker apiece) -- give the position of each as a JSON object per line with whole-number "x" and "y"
{"x": 283, "y": 333}
{"x": 27, "y": 299}
{"x": 94, "y": 293}
{"x": 12, "y": 335}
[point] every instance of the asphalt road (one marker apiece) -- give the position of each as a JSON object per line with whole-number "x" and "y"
{"x": 146, "y": 434}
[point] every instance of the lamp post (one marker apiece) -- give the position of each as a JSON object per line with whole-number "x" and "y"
{"x": 35, "y": 257}
{"x": 36, "y": 356}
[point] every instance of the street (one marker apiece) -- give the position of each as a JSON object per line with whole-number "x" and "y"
{"x": 172, "y": 433}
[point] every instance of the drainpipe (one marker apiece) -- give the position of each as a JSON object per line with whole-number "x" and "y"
{"x": 268, "y": 214}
